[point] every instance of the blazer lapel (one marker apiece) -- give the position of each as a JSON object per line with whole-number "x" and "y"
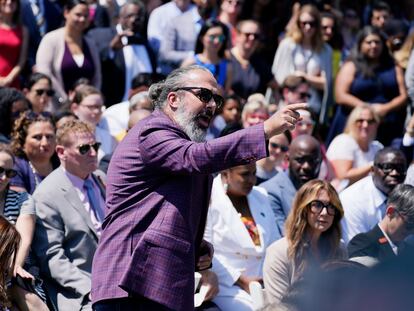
{"x": 384, "y": 248}
{"x": 70, "y": 194}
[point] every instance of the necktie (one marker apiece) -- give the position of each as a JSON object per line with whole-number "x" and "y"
{"x": 93, "y": 200}
{"x": 38, "y": 14}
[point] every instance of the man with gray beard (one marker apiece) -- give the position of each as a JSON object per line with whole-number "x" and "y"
{"x": 158, "y": 190}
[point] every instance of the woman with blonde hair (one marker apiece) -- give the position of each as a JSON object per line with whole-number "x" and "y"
{"x": 313, "y": 234}
{"x": 304, "y": 53}
{"x": 352, "y": 152}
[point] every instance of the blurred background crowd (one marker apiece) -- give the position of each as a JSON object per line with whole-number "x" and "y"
{"x": 74, "y": 78}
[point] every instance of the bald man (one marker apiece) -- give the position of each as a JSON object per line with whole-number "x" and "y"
{"x": 304, "y": 163}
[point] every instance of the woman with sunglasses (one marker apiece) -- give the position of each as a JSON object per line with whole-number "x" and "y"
{"x": 352, "y": 153}
{"x": 33, "y": 144}
{"x": 18, "y": 208}
{"x": 14, "y": 38}
{"x": 240, "y": 225}
{"x": 278, "y": 152}
{"x": 211, "y": 45}
{"x": 66, "y": 55}
{"x": 313, "y": 234}
{"x": 304, "y": 53}
{"x": 39, "y": 92}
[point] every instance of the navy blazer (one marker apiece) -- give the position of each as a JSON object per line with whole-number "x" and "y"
{"x": 113, "y": 66}
{"x": 374, "y": 244}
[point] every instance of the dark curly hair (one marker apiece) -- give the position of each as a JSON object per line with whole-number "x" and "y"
{"x": 21, "y": 127}
{"x": 8, "y": 96}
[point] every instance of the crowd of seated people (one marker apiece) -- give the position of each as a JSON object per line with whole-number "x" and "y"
{"x": 74, "y": 79}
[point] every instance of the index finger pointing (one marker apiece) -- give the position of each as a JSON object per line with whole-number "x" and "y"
{"x": 298, "y": 106}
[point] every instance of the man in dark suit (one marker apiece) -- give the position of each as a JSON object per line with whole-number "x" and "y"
{"x": 159, "y": 185}
{"x": 124, "y": 52}
{"x": 386, "y": 239}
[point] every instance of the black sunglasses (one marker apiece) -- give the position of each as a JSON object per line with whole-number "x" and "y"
{"x": 283, "y": 148}
{"x": 311, "y": 24}
{"x": 203, "y": 94}
{"x": 317, "y": 206}
{"x": 10, "y": 173}
{"x": 40, "y": 92}
{"x": 85, "y": 148}
{"x": 369, "y": 121}
{"x": 387, "y": 168}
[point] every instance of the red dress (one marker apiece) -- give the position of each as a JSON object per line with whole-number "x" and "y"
{"x": 11, "y": 41}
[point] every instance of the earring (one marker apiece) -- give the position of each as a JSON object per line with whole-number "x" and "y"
{"x": 225, "y": 187}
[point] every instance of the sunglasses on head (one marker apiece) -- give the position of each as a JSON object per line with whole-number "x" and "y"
{"x": 85, "y": 148}
{"x": 40, "y": 92}
{"x": 203, "y": 94}
{"x": 9, "y": 172}
{"x": 317, "y": 206}
{"x": 283, "y": 148}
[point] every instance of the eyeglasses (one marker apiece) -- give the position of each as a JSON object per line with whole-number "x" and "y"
{"x": 85, "y": 148}
{"x": 369, "y": 121}
{"x": 283, "y": 148}
{"x": 251, "y": 35}
{"x": 308, "y": 124}
{"x": 235, "y": 2}
{"x": 304, "y": 95}
{"x": 203, "y": 94}
{"x": 40, "y": 92}
{"x": 317, "y": 206}
{"x": 387, "y": 168}
{"x": 220, "y": 38}
{"x": 9, "y": 172}
{"x": 311, "y": 24}
{"x": 92, "y": 107}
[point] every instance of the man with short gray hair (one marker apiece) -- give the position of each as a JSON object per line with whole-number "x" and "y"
{"x": 386, "y": 239}
{"x": 159, "y": 186}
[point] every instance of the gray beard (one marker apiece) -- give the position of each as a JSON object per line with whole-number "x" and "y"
{"x": 189, "y": 125}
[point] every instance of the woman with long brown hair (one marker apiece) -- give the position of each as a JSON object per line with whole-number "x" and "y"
{"x": 313, "y": 234}
{"x": 9, "y": 245}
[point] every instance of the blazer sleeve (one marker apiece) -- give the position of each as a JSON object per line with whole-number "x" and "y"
{"x": 275, "y": 204}
{"x": 49, "y": 248}
{"x": 276, "y": 271}
{"x": 167, "y": 149}
{"x": 46, "y": 57}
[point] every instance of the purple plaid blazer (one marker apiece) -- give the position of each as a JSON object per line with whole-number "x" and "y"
{"x": 158, "y": 191}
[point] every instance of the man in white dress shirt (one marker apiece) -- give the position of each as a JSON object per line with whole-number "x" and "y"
{"x": 364, "y": 202}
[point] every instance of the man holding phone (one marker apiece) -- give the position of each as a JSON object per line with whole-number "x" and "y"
{"x": 124, "y": 52}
